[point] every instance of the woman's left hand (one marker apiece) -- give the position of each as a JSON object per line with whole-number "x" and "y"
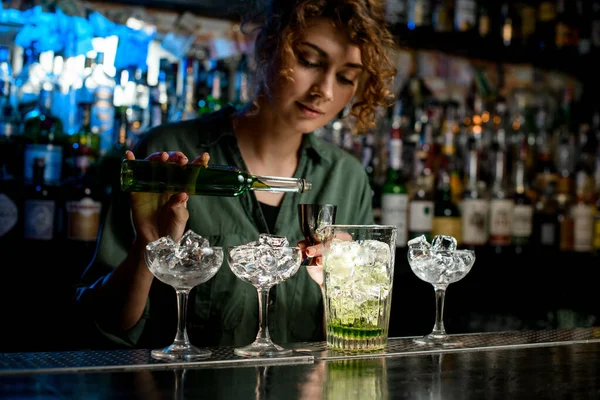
{"x": 315, "y": 255}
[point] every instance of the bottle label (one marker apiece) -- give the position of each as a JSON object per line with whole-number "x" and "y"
{"x": 53, "y": 157}
{"x": 465, "y": 15}
{"x": 597, "y": 233}
{"x": 583, "y": 227}
{"x": 475, "y": 221}
{"x": 566, "y": 233}
{"x": 395, "y": 12}
{"x": 562, "y": 35}
{"x": 102, "y": 117}
{"x": 8, "y": 129}
{"x": 420, "y": 216}
{"x": 527, "y": 20}
{"x": 83, "y": 219}
{"x": 547, "y": 234}
{"x": 449, "y": 226}
{"x": 419, "y": 13}
{"x": 522, "y": 220}
{"x": 484, "y": 25}
{"x": 9, "y": 214}
{"x": 547, "y": 11}
{"x": 596, "y": 33}
{"x": 501, "y": 212}
{"x": 394, "y": 210}
{"x": 39, "y": 219}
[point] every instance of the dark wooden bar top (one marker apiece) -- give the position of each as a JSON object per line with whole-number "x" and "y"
{"x": 550, "y": 364}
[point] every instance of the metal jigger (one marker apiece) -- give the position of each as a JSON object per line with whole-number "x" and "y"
{"x": 312, "y": 218}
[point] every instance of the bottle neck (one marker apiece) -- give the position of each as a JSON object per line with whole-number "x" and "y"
{"x": 277, "y": 184}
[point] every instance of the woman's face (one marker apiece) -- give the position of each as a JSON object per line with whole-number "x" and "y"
{"x": 325, "y": 75}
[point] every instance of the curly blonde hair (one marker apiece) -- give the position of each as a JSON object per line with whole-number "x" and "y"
{"x": 278, "y": 31}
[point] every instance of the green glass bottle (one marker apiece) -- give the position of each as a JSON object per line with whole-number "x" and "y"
{"x": 446, "y": 213}
{"x": 394, "y": 193}
{"x": 195, "y": 179}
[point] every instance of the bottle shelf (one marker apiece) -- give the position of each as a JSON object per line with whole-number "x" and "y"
{"x": 492, "y": 50}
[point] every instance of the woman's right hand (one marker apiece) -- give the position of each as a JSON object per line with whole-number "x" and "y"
{"x": 160, "y": 214}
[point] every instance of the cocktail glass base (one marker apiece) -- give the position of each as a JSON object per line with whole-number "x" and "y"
{"x": 262, "y": 348}
{"x": 178, "y": 352}
{"x": 440, "y": 340}
{"x": 347, "y": 344}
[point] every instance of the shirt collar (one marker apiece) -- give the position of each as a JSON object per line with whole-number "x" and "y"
{"x": 313, "y": 145}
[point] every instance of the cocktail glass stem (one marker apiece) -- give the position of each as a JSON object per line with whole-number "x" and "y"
{"x": 263, "y": 345}
{"x": 263, "y": 312}
{"x": 181, "y": 338}
{"x": 181, "y": 349}
{"x": 440, "y": 295}
{"x": 438, "y": 335}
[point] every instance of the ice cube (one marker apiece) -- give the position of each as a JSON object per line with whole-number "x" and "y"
{"x": 378, "y": 252}
{"x": 420, "y": 241}
{"x": 273, "y": 240}
{"x": 162, "y": 253}
{"x": 418, "y": 254}
{"x": 267, "y": 258}
{"x": 443, "y": 243}
{"x": 192, "y": 239}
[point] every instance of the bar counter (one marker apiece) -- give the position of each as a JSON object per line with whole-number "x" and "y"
{"x": 561, "y": 363}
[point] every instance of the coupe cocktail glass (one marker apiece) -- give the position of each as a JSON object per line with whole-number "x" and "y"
{"x": 264, "y": 264}
{"x": 182, "y": 265}
{"x": 358, "y": 273}
{"x": 440, "y": 264}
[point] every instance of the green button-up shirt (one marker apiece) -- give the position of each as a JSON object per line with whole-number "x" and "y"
{"x": 224, "y": 310}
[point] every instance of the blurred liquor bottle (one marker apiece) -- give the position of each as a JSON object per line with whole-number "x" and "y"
{"x": 110, "y": 163}
{"x": 159, "y": 100}
{"x": 44, "y": 137}
{"x": 420, "y": 211}
{"x": 522, "y": 218}
{"x": 545, "y": 27}
{"x": 396, "y": 13}
{"x": 446, "y": 213}
{"x": 84, "y": 146}
{"x": 42, "y": 209}
{"x": 188, "y": 78}
{"x": 420, "y": 16}
{"x": 84, "y": 196}
{"x": 501, "y": 197}
{"x": 583, "y": 206}
{"x": 214, "y": 101}
{"x": 443, "y": 16}
{"x": 370, "y": 161}
{"x": 10, "y": 158}
{"x": 102, "y": 86}
{"x": 567, "y": 29}
{"x": 546, "y": 223}
{"x": 394, "y": 194}
{"x": 475, "y": 202}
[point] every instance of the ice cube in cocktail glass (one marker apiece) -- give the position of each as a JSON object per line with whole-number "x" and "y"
{"x": 264, "y": 264}
{"x": 182, "y": 265}
{"x": 440, "y": 264}
{"x": 358, "y": 267}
